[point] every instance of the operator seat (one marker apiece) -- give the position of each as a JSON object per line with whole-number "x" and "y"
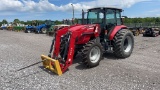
{"x": 110, "y": 27}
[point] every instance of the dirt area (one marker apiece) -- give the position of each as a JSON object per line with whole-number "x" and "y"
{"x": 141, "y": 71}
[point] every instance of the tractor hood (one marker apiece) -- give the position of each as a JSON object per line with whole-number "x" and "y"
{"x": 83, "y": 33}
{"x": 79, "y": 28}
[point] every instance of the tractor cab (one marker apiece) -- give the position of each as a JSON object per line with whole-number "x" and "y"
{"x": 106, "y": 17}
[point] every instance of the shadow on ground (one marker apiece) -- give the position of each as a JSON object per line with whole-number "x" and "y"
{"x": 81, "y": 66}
{"x": 46, "y": 70}
{"x": 78, "y": 59}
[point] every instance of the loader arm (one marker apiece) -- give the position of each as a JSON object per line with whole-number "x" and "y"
{"x": 56, "y": 63}
{"x": 70, "y": 51}
{"x": 58, "y": 35}
{"x": 70, "y": 54}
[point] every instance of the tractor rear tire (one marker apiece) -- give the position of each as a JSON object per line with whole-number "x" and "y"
{"x": 28, "y": 31}
{"x": 123, "y": 43}
{"x": 44, "y": 30}
{"x": 92, "y": 53}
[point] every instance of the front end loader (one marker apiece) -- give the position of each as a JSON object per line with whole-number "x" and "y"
{"x": 103, "y": 32}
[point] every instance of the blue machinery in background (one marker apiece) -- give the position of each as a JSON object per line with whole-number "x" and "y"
{"x": 40, "y": 28}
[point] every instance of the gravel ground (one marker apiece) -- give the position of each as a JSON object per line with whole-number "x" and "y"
{"x": 141, "y": 71}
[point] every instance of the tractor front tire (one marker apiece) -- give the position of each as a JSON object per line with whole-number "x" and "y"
{"x": 44, "y": 30}
{"x": 92, "y": 53}
{"x": 27, "y": 31}
{"x": 123, "y": 43}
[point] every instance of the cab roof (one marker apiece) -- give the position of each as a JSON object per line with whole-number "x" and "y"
{"x": 106, "y": 8}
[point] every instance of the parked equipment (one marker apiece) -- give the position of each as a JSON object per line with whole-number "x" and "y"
{"x": 150, "y": 32}
{"x": 135, "y": 31}
{"x": 141, "y": 30}
{"x": 57, "y": 27}
{"x": 30, "y": 29}
{"x": 42, "y": 28}
{"x": 18, "y": 28}
{"x": 50, "y": 27}
{"x": 103, "y": 32}
{"x": 3, "y": 27}
{"x": 10, "y": 27}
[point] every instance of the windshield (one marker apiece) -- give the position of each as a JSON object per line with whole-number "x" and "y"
{"x": 95, "y": 16}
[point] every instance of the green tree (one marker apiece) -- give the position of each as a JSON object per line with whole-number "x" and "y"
{"x": 157, "y": 19}
{"x": 1, "y": 23}
{"x": 28, "y": 22}
{"x": 16, "y": 21}
{"x": 57, "y": 22}
{"x": 4, "y": 21}
{"x": 22, "y": 22}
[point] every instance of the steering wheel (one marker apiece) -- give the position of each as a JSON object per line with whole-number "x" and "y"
{"x": 110, "y": 25}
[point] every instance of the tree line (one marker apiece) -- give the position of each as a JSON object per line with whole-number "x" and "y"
{"x": 28, "y": 22}
{"x": 142, "y": 20}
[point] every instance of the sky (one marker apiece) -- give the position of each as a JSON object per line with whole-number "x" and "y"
{"x": 62, "y": 9}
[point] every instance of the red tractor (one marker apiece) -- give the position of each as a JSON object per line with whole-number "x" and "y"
{"x": 103, "y": 32}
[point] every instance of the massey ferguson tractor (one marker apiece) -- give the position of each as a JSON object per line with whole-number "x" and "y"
{"x": 103, "y": 32}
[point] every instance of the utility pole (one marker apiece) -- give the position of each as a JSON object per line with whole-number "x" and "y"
{"x": 73, "y": 10}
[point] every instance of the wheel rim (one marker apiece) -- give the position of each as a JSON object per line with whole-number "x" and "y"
{"x": 29, "y": 31}
{"x": 94, "y": 54}
{"x": 44, "y": 30}
{"x": 127, "y": 44}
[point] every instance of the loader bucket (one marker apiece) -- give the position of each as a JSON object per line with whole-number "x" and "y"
{"x": 51, "y": 64}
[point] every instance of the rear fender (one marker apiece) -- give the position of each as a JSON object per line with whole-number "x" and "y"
{"x": 115, "y": 30}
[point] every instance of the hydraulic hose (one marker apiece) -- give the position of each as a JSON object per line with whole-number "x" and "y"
{"x": 51, "y": 48}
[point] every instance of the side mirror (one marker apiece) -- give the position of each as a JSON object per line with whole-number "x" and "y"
{"x": 122, "y": 20}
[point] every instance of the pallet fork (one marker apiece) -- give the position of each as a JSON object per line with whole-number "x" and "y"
{"x": 51, "y": 64}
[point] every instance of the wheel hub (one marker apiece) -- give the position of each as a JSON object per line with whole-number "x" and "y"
{"x": 29, "y": 31}
{"x": 94, "y": 54}
{"x": 127, "y": 44}
{"x": 44, "y": 30}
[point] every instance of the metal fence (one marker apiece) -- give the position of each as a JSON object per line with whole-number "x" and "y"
{"x": 147, "y": 24}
